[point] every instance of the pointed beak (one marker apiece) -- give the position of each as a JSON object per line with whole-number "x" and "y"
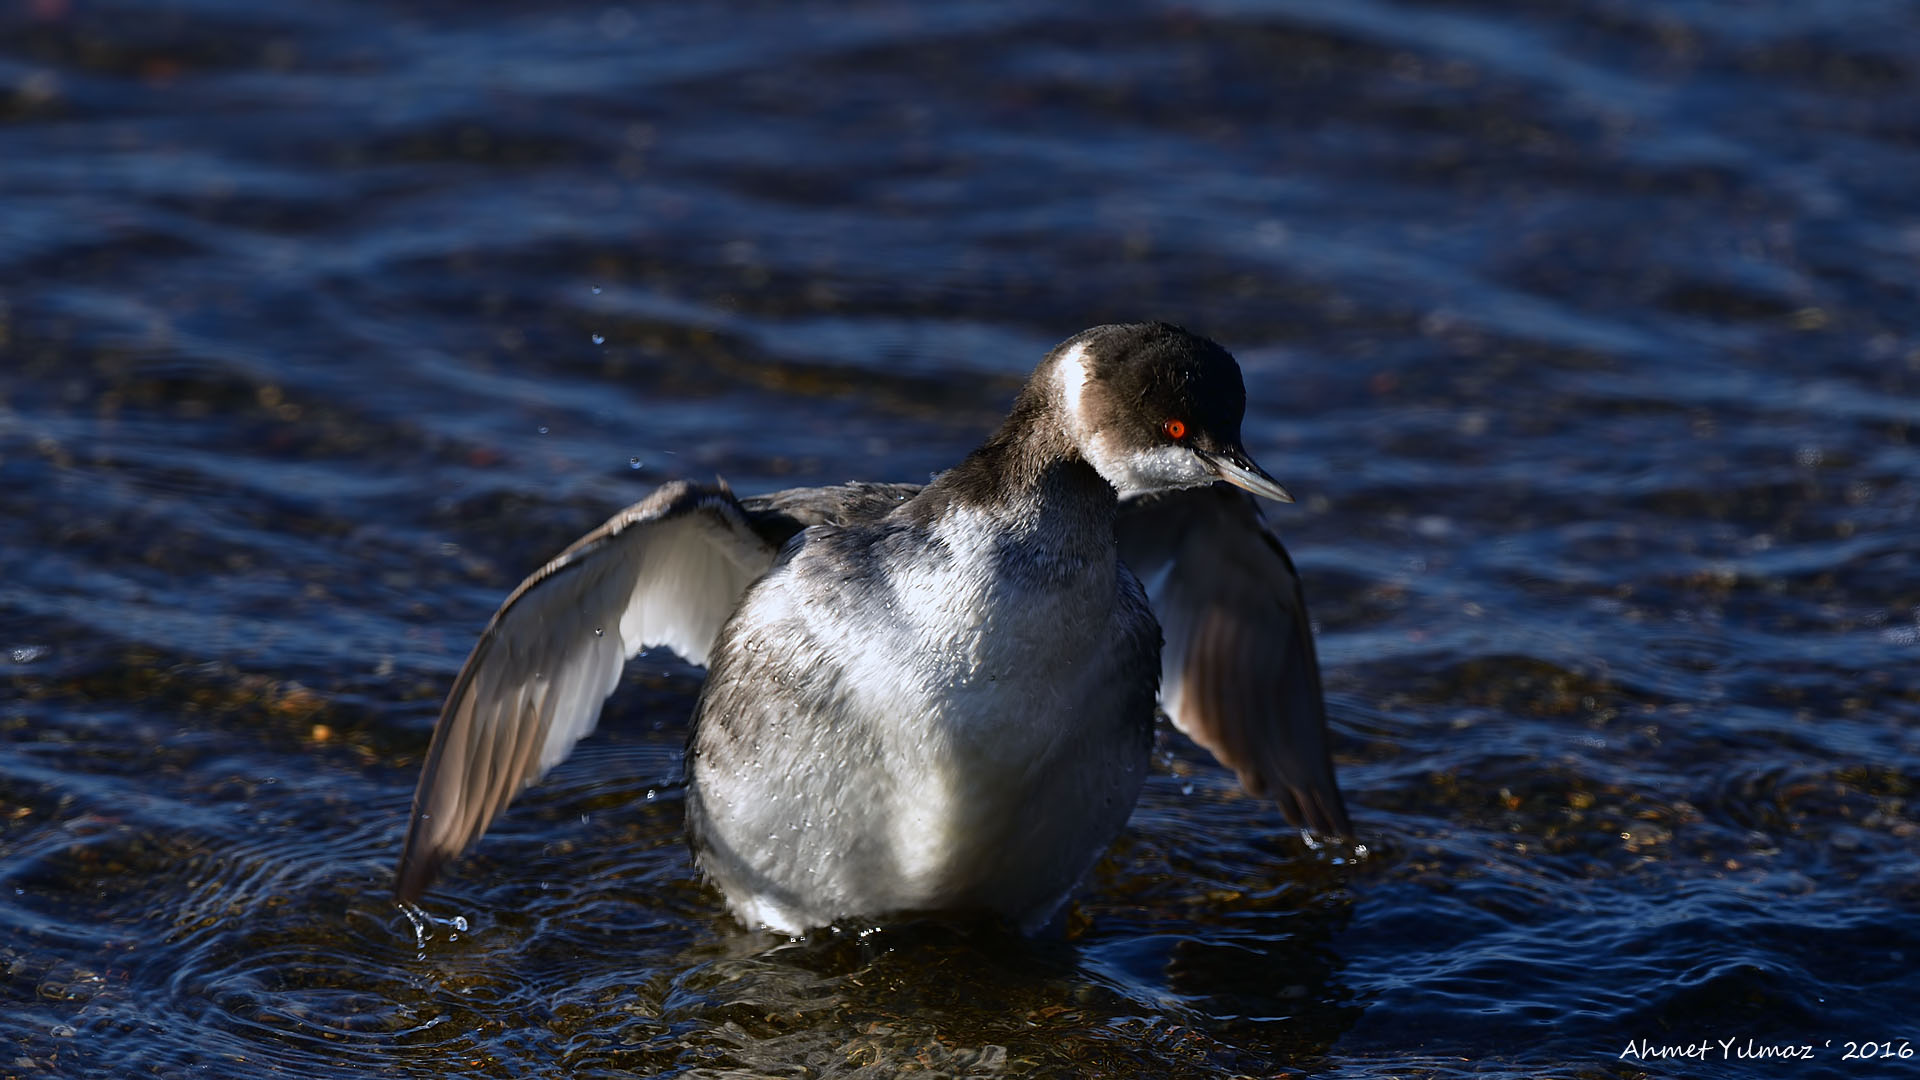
{"x": 1236, "y": 468}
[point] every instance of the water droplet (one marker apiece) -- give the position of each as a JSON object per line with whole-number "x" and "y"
{"x": 596, "y": 290}
{"x": 599, "y": 632}
{"x": 599, "y": 339}
{"x": 543, "y": 429}
{"x": 459, "y": 922}
{"x": 633, "y": 463}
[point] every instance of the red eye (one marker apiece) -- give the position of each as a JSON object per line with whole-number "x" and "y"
{"x": 1174, "y": 429}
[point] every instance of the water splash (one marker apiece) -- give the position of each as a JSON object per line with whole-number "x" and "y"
{"x": 422, "y": 920}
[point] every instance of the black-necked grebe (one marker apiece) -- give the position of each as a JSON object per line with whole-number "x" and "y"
{"x": 928, "y": 698}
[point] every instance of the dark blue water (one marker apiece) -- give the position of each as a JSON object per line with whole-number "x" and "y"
{"x": 1587, "y": 332}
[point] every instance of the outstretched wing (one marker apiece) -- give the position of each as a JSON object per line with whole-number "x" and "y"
{"x": 1238, "y": 671}
{"x": 665, "y": 571}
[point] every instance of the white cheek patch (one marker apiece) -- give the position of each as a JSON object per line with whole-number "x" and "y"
{"x": 1139, "y": 472}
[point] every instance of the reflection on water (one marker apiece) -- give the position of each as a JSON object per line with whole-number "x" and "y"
{"x": 1586, "y": 334}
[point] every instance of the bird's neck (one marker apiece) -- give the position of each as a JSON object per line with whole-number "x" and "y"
{"x": 1031, "y": 479}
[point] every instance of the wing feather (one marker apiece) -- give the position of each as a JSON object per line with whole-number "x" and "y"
{"x": 667, "y": 571}
{"x": 1238, "y": 671}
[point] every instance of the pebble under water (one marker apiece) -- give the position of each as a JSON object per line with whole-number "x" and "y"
{"x": 1586, "y": 332}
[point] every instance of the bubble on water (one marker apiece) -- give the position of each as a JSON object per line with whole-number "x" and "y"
{"x": 596, "y": 290}
{"x": 633, "y": 463}
{"x": 543, "y": 429}
{"x": 599, "y": 339}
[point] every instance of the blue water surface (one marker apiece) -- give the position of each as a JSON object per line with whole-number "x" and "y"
{"x": 1587, "y": 332}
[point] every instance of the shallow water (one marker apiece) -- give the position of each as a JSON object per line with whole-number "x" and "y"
{"x": 1587, "y": 333}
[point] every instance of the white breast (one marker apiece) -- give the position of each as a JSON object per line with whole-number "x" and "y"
{"x": 1000, "y": 674}
{"x": 998, "y": 717}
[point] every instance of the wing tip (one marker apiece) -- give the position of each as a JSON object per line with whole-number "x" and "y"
{"x": 419, "y": 865}
{"x": 410, "y": 882}
{"x": 1318, "y": 807}
{"x": 1327, "y": 815}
